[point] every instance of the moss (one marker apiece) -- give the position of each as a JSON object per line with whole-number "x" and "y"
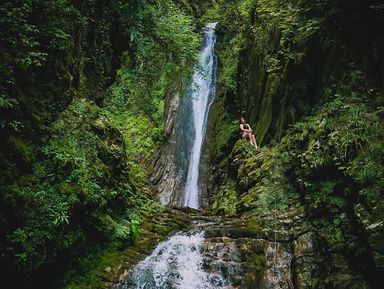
{"x": 255, "y": 271}
{"x": 109, "y": 263}
{"x": 23, "y": 150}
{"x": 223, "y": 129}
{"x": 226, "y": 200}
{"x": 253, "y": 261}
{"x": 254, "y": 225}
{"x": 309, "y": 171}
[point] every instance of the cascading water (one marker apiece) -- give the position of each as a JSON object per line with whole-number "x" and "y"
{"x": 178, "y": 262}
{"x": 202, "y": 94}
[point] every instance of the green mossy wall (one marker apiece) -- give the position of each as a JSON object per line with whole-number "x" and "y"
{"x": 296, "y": 59}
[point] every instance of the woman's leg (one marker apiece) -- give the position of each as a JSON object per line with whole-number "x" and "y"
{"x": 254, "y": 140}
{"x": 249, "y": 138}
{"x": 246, "y": 135}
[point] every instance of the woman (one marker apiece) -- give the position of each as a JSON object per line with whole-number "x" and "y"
{"x": 246, "y": 132}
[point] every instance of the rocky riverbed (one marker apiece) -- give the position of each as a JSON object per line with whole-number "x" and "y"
{"x": 233, "y": 253}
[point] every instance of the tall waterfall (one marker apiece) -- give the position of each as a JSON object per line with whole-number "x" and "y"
{"x": 178, "y": 263}
{"x": 202, "y": 92}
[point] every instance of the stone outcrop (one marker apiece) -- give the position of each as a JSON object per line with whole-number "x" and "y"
{"x": 295, "y": 246}
{"x": 164, "y": 174}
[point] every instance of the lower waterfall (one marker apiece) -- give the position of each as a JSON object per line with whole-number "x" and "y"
{"x": 175, "y": 263}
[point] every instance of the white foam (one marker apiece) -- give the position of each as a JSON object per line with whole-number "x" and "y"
{"x": 175, "y": 263}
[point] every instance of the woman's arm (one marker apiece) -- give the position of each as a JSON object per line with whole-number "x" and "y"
{"x": 243, "y": 129}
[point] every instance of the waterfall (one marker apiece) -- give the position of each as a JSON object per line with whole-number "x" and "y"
{"x": 175, "y": 263}
{"x": 202, "y": 93}
{"x": 178, "y": 263}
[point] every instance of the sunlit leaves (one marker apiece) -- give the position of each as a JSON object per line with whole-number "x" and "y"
{"x": 290, "y": 19}
{"x": 7, "y": 102}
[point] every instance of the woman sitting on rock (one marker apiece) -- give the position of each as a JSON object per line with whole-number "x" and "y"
{"x": 246, "y": 132}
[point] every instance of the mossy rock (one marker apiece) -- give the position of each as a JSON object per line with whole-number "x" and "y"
{"x": 226, "y": 200}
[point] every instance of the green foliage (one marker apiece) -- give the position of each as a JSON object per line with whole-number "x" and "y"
{"x": 7, "y": 103}
{"x": 165, "y": 47}
{"x": 302, "y": 73}
{"x": 32, "y": 44}
{"x": 289, "y": 18}
{"x": 232, "y": 18}
{"x": 171, "y": 32}
{"x": 226, "y": 200}
{"x": 22, "y": 149}
{"x": 73, "y": 174}
{"x": 70, "y": 177}
{"x": 330, "y": 164}
{"x": 164, "y": 44}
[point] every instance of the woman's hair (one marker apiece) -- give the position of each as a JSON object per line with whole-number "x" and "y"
{"x": 242, "y": 120}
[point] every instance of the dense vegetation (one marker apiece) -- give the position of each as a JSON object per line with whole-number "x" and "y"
{"x": 309, "y": 77}
{"x": 82, "y": 97}
{"x": 82, "y": 102}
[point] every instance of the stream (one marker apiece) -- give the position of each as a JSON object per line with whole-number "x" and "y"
{"x": 175, "y": 263}
{"x": 198, "y": 259}
{"x": 214, "y": 253}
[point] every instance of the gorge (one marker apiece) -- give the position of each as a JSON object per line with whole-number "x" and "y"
{"x": 122, "y": 166}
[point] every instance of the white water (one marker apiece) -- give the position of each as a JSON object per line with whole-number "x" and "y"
{"x": 178, "y": 262}
{"x": 203, "y": 93}
{"x": 175, "y": 264}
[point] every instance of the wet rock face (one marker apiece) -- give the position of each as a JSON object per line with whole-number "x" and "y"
{"x": 222, "y": 261}
{"x": 245, "y": 257}
{"x": 224, "y": 258}
{"x": 164, "y": 175}
{"x": 304, "y": 261}
{"x": 278, "y": 267}
{"x": 302, "y": 256}
{"x": 234, "y": 254}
